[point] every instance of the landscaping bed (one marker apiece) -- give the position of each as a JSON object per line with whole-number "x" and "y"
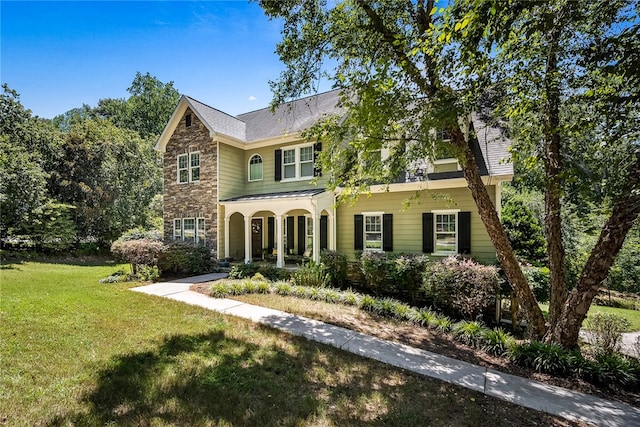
{"x": 370, "y": 323}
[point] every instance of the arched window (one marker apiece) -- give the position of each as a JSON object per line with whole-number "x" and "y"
{"x": 255, "y": 168}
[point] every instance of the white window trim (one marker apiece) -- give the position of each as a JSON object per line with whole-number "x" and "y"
{"x": 435, "y": 232}
{"x": 364, "y": 231}
{"x": 189, "y": 168}
{"x": 249, "y": 168}
{"x": 297, "y": 162}
{"x": 197, "y": 236}
{"x": 177, "y": 232}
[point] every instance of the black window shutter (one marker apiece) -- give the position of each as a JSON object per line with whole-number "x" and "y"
{"x": 317, "y": 148}
{"x": 427, "y": 232}
{"x": 302, "y": 232}
{"x": 271, "y": 226}
{"x": 387, "y": 232}
{"x": 324, "y": 232}
{"x": 358, "y": 232}
{"x": 290, "y": 236}
{"x": 464, "y": 232}
{"x": 278, "y": 168}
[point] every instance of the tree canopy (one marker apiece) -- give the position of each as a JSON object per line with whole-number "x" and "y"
{"x": 409, "y": 68}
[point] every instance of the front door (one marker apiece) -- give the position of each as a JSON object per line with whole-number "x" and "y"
{"x": 256, "y": 238}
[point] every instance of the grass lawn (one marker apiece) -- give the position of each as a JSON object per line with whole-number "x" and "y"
{"x": 633, "y": 316}
{"x": 76, "y": 352}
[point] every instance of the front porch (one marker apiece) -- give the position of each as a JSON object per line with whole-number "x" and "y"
{"x": 286, "y": 228}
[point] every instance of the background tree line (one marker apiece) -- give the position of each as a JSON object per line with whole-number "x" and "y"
{"x": 85, "y": 176}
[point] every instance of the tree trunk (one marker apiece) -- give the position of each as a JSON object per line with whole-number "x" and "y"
{"x": 565, "y": 331}
{"x": 535, "y": 320}
{"x": 553, "y": 184}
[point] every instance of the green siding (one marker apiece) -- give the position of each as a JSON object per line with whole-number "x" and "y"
{"x": 232, "y": 172}
{"x": 268, "y": 183}
{"x": 407, "y": 223}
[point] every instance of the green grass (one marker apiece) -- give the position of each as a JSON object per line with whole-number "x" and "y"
{"x": 633, "y": 316}
{"x": 76, "y": 352}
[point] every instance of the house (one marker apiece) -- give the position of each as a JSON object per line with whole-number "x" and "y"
{"x": 248, "y": 187}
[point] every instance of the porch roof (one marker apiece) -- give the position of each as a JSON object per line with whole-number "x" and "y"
{"x": 277, "y": 195}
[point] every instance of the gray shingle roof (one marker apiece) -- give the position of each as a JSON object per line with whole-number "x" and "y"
{"x": 299, "y": 115}
{"x": 291, "y": 117}
{"x": 220, "y": 121}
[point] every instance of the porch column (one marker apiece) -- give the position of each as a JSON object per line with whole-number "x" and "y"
{"x": 331, "y": 232}
{"x": 280, "y": 242}
{"x": 247, "y": 239}
{"x": 316, "y": 237}
{"x": 227, "y": 221}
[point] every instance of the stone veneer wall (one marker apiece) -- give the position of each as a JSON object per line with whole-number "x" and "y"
{"x": 191, "y": 200}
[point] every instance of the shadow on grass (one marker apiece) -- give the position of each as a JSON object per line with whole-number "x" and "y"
{"x": 276, "y": 379}
{"x": 212, "y": 378}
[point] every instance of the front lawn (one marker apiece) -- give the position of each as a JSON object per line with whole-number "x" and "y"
{"x": 633, "y": 316}
{"x": 76, "y": 352}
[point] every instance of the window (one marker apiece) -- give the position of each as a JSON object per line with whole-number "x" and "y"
{"x": 373, "y": 232}
{"x": 309, "y": 235}
{"x": 177, "y": 229}
{"x": 289, "y": 164}
{"x": 445, "y": 233}
{"x": 306, "y": 161}
{"x": 188, "y": 167}
{"x": 187, "y": 120}
{"x": 189, "y": 229}
{"x": 298, "y": 162}
{"x": 201, "y": 230}
{"x": 284, "y": 235}
{"x": 255, "y": 168}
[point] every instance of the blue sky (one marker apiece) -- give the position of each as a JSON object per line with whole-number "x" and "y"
{"x": 60, "y": 55}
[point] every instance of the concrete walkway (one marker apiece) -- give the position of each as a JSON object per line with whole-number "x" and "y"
{"x": 531, "y": 394}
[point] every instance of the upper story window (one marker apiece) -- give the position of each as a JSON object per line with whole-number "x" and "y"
{"x": 187, "y": 120}
{"x": 297, "y": 162}
{"x": 255, "y": 168}
{"x": 189, "y": 167}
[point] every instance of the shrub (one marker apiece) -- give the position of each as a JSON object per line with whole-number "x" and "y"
{"x": 349, "y": 297}
{"x": 242, "y": 271}
{"x": 470, "y": 333}
{"x": 461, "y": 286}
{"x": 538, "y": 278}
{"x": 337, "y": 265}
{"x": 609, "y": 369}
{"x": 148, "y": 273}
{"x": 185, "y": 258}
{"x": 311, "y": 274}
{"x": 406, "y": 273}
{"x": 497, "y": 341}
{"x": 272, "y": 273}
{"x": 605, "y": 331}
{"x": 140, "y": 233}
{"x": 283, "y": 288}
{"x": 375, "y": 272}
{"x": 219, "y": 290}
{"x": 138, "y": 252}
{"x": 543, "y": 357}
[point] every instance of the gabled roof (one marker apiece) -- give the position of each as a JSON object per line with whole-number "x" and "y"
{"x": 290, "y": 117}
{"x": 298, "y": 115}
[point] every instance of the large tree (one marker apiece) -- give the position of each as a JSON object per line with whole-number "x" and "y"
{"x": 407, "y": 68}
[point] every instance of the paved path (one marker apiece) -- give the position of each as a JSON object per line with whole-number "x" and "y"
{"x": 531, "y": 394}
